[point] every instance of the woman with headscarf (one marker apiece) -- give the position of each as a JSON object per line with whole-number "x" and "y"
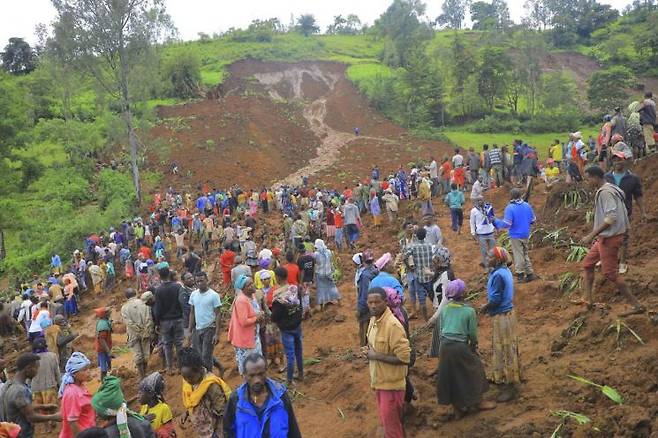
{"x": 461, "y": 377}
{"x": 116, "y": 419}
{"x": 243, "y": 328}
{"x": 385, "y": 278}
{"x": 442, "y": 276}
{"x": 269, "y": 333}
{"x": 153, "y": 407}
{"x": 327, "y": 292}
{"x": 505, "y": 343}
{"x": 76, "y": 410}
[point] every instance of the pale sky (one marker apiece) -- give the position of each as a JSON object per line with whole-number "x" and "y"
{"x": 18, "y": 18}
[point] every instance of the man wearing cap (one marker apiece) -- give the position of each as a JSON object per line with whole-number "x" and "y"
{"x": 647, "y": 110}
{"x": 139, "y": 329}
{"x": 631, "y": 185}
{"x": 16, "y": 400}
{"x": 482, "y": 229}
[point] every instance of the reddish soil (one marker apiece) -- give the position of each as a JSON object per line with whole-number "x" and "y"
{"x": 335, "y": 400}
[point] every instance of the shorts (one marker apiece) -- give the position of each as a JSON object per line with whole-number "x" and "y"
{"x": 104, "y": 362}
{"x": 46, "y": 397}
{"x": 605, "y": 249}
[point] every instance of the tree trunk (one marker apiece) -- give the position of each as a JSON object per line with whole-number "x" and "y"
{"x": 128, "y": 119}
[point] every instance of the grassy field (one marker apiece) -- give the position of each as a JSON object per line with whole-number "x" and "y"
{"x": 541, "y": 142}
{"x": 216, "y": 54}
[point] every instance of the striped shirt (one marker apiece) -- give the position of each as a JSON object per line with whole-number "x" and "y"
{"x": 495, "y": 157}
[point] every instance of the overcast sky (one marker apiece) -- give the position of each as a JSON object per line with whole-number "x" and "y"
{"x": 18, "y": 18}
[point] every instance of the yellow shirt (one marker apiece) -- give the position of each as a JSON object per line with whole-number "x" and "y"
{"x": 162, "y": 413}
{"x": 552, "y": 172}
{"x": 258, "y": 283}
{"x": 556, "y": 152}
{"x": 387, "y": 336}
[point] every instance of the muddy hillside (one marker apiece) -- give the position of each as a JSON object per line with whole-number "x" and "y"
{"x": 274, "y": 122}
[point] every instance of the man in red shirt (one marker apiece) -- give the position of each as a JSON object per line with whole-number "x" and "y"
{"x": 227, "y": 262}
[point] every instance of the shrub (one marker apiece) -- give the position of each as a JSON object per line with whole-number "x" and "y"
{"x": 183, "y": 73}
{"x": 552, "y": 122}
{"x": 115, "y": 186}
{"x": 492, "y": 124}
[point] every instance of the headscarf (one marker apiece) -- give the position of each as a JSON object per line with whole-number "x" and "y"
{"x": 320, "y": 245}
{"x": 357, "y": 258}
{"x": 501, "y": 255}
{"x": 442, "y": 254}
{"x": 100, "y": 312}
{"x": 109, "y": 397}
{"x": 394, "y": 302}
{"x": 265, "y": 263}
{"x": 383, "y": 261}
{"x": 153, "y": 384}
{"x": 76, "y": 362}
{"x": 241, "y": 282}
{"x": 455, "y": 289}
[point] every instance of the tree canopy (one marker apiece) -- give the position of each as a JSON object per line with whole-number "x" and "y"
{"x": 18, "y": 57}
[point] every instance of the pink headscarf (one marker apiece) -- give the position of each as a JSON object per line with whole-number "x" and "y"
{"x": 394, "y": 302}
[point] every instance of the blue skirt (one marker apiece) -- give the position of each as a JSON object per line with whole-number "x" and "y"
{"x": 71, "y": 307}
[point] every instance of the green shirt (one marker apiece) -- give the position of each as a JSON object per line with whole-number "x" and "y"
{"x": 459, "y": 323}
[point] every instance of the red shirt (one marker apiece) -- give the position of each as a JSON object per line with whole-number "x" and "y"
{"x": 347, "y": 193}
{"x": 76, "y": 406}
{"x": 447, "y": 168}
{"x": 146, "y": 251}
{"x": 338, "y": 219}
{"x": 293, "y": 273}
{"x": 227, "y": 260}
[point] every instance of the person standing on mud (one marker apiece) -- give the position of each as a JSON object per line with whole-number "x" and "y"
{"x": 631, "y": 185}
{"x": 388, "y": 353}
{"x": 519, "y": 218}
{"x": 505, "y": 342}
{"x": 351, "y": 218}
{"x": 610, "y": 225}
{"x": 139, "y": 328}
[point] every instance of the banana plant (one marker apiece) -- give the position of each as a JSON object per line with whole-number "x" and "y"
{"x": 617, "y": 326}
{"x": 577, "y": 253}
{"x": 608, "y": 391}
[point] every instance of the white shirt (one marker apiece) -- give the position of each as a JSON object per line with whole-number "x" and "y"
{"x": 480, "y": 223}
{"x": 476, "y": 191}
{"x": 434, "y": 170}
{"x": 457, "y": 160}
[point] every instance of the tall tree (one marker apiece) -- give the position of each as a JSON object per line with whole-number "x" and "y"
{"x": 109, "y": 39}
{"x": 350, "y": 25}
{"x": 401, "y": 25}
{"x": 462, "y": 67}
{"x": 606, "y": 88}
{"x": 454, "y": 13}
{"x": 533, "y": 51}
{"x": 493, "y": 75}
{"x": 306, "y": 25}
{"x": 539, "y": 14}
{"x": 490, "y": 16}
{"x": 18, "y": 57}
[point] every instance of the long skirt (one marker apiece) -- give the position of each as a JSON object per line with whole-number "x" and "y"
{"x": 461, "y": 380}
{"x": 326, "y": 290}
{"x": 273, "y": 344}
{"x": 505, "y": 360}
{"x": 242, "y": 353}
{"x": 435, "y": 345}
{"x": 71, "y": 306}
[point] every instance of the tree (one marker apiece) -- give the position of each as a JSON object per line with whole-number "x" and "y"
{"x": 558, "y": 92}
{"x": 533, "y": 52}
{"x": 14, "y": 112}
{"x": 306, "y": 25}
{"x": 109, "y": 40}
{"x": 493, "y": 75}
{"x": 539, "y": 14}
{"x": 18, "y": 57}
{"x": 454, "y": 13}
{"x": 423, "y": 91}
{"x": 345, "y": 26}
{"x": 462, "y": 67}
{"x": 490, "y": 16}
{"x": 401, "y": 25}
{"x": 605, "y": 88}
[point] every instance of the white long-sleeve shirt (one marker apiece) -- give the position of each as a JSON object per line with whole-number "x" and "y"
{"x": 480, "y": 223}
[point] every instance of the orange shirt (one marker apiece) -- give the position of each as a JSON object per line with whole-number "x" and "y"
{"x": 293, "y": 273}
{"x": 338, "y": 219}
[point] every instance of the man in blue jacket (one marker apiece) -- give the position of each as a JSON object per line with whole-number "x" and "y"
{"x": 519, "y": 218}
{"x": 260, "y": 407}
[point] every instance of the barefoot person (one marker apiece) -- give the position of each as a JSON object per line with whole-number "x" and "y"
{"x": 610, "y": 225}
{"x": 461, "y": 378}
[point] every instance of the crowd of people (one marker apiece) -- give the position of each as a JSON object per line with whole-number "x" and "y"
{"x": 269, "y": 278}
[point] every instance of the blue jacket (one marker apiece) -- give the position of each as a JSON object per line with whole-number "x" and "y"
{"x": 500, "y": 291}
{"x": 363, "y": 285}
{"x": 276, "y": 420}
{"x": 518, "y": 218}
